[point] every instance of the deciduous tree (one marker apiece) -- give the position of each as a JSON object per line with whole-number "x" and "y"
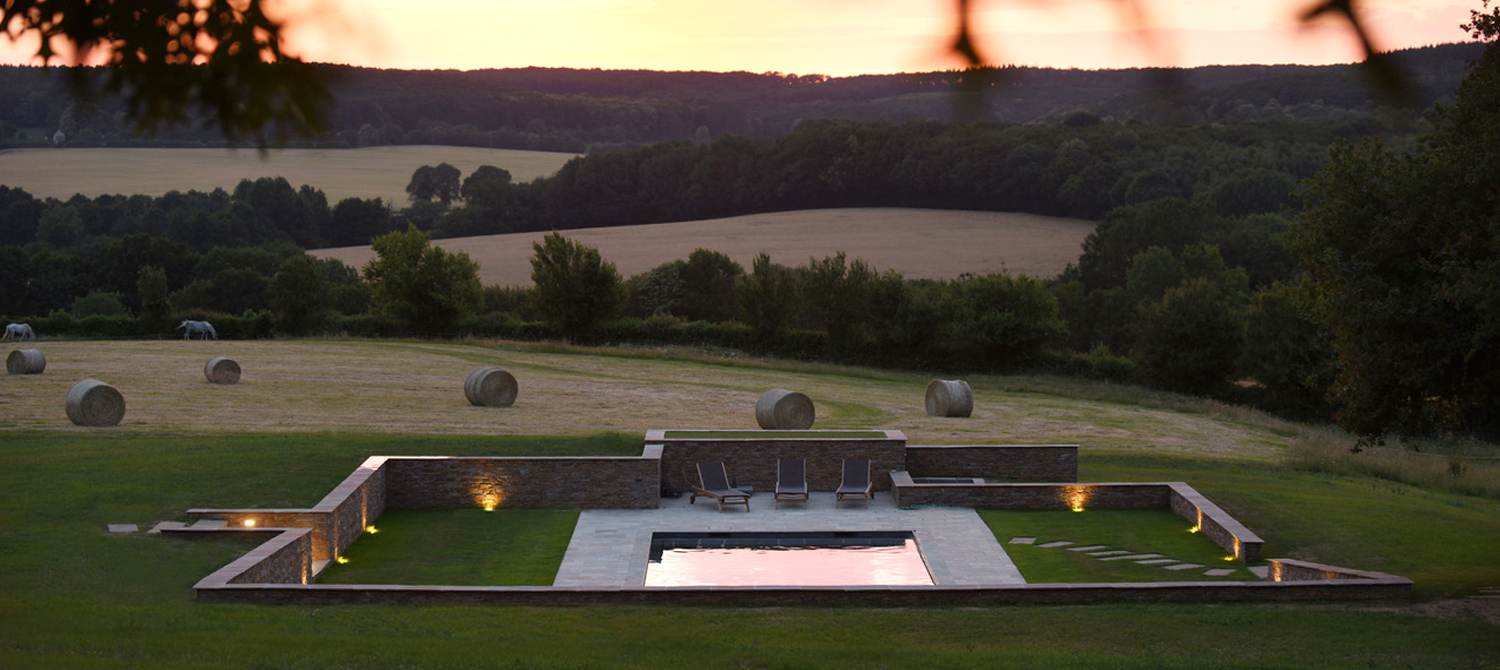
{"x": 422, "y": 286}
{"x": 1404, "y": 253}
{"x": 575, "y": 287}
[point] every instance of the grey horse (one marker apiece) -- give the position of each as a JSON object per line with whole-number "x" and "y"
{"x": 203, "y": 329}
{"x": 18, "y": 332}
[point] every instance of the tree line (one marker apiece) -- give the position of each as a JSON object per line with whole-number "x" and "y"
{"x": 578, "y": 111}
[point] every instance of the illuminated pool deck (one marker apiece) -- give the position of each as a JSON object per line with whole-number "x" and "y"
{"x": 610, "y": 548}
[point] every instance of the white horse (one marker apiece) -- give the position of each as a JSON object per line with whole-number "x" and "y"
{"x": 18, "y": 331}
{"x": 203, "y": 329}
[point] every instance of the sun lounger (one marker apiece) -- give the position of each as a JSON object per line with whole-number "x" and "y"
{"x": 856, "y": 484}
{"x": 713, "y": 482}
{"x": 791, "y": 480}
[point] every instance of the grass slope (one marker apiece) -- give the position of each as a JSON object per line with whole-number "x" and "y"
{"x": 75, "y": 596}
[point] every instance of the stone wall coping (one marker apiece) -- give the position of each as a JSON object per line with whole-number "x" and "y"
{"x": 220, "y": 578}
{"x": 992, "y": 446}
{"x": 658, "y": 435}
{"x": 1081, "y": 593}
{"x": 1213, "y": 511}
{"x": 1344, "y": 575}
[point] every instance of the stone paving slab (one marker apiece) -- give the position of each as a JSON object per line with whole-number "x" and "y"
{"x": 1112, "y": 552}
{"x": 165, "y": 525}
{"x": 123, "y": 528}
{"x": 1059, "y": 543}
{"x": 1219, "y": 572}
{"x": 1091, "y": 547}
{"x": 1023, "y": 540}
{"x": 1261, "y": 571}
{"x": 1182, "y": 566}
{"x": 1130, "y": 557}
{"x": 609, "y": 548}
{"x": 1159, "y": 561}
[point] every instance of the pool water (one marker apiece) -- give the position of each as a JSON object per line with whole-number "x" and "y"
{"x": 786, "y": 559}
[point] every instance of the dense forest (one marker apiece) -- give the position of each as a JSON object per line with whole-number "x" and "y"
{"x": 594, "y": 110}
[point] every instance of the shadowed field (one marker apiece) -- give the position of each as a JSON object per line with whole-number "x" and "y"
{"x": 918, "y": 243}
{"x": 417, "y": 387}
{"x": 375, "y": 172}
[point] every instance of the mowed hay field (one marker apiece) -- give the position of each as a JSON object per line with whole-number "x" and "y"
{"x": 917, "y": 243}
{"x": 417, "y": 387}
{"x": 374, "y": 172}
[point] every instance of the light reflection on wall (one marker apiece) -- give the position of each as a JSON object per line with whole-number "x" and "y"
{"x": 1077, "y": 497}
{"x": 488, "y": 490}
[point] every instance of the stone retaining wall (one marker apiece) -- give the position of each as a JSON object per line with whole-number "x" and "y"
{"x": 1385, "y": 587}
{"x": 582, "y": 482}
{"x": 751, "y": 461}
{"x": 1215, "y": 523}
{"x": 1002, "y": 462}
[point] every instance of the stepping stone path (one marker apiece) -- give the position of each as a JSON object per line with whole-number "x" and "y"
{"x": 1102, "y": 552}
{"x": 123, "y": 528}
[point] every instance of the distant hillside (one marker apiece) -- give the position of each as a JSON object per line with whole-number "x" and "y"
{"x": 918, "y": 243}
{"x": 580, "y": 110}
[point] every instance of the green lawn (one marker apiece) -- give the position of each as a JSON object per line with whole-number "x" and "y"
{"x": 1135, "y": 531}
{"x": 459, "y": 547}
{"x": 74, "y": 596}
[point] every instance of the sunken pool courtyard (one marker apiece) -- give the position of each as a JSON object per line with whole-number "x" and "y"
{"x": 929, "y": 492}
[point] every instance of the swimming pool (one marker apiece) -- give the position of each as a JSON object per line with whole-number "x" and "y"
{"x": 851, "y": 558}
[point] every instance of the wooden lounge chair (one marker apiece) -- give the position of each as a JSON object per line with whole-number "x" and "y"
{"x": 856, "y": 484}
{"x": 791, "y": 481}
{"x": 713, "y": 482}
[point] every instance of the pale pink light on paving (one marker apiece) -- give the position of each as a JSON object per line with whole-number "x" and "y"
{"x": 791, "y": 566}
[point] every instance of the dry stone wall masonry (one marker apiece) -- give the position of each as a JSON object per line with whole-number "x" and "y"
{"x": 280, "y": 570}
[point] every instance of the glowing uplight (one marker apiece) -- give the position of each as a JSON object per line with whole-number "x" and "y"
{"x": 1077, "y": 497}
{"x": 1195, "y": 529}
{"x": 341, "y": 560}
{"x": 489, "y": 506}
{"x": 1228, "y": 558}
{"x": 249, "y": 523}
{"x": 371, "y": 530}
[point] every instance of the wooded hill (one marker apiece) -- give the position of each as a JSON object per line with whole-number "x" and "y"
{"x": 583, "y": 110}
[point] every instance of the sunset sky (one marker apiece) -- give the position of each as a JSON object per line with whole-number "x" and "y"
{"x": 835, "y": 37}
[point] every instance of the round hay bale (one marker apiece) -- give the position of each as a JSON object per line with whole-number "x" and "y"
{"x": 25, "y": 362}
{"x": 95, "y": 403}
{"x": 490, "y": 387}
{"x": 780, "y": 409}
{"x": 221, "y": 370}
{"x": 949, "y": 397}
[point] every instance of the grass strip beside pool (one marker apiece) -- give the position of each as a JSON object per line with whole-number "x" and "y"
{"x": 460, "y": 547}
{"x": 1134, "y": 531}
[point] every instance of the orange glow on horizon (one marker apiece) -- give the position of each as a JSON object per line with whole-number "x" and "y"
{"x": 832, "y": 37}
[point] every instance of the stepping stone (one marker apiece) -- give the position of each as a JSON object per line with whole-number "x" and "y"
{"x": 1023, "y": 540}
{"x": 1261, "y": 571}
{"x": 123, "y": 528}
{"x": 1184, "y": 566}
{"x": 1159, "y": 561}
{"x": 1219, "y": 572}
{"x": 1112, "y": 552}
{"x": 208, "y": 524}
{"x": 1060, "y": 543}
{"x": 1131, "y": 557}
{"x": 1089, "y": 548}
{"x": 165, "y": 525}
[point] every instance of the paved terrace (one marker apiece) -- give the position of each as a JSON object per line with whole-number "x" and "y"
{"x": 610, "y": 547}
